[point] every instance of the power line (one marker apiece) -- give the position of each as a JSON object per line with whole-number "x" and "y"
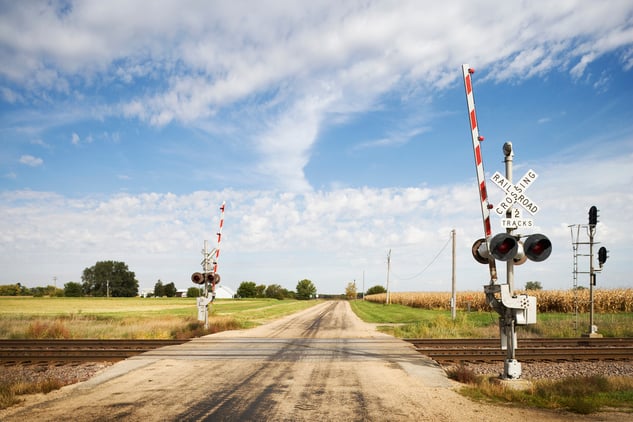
{"x": 428, "y": 265}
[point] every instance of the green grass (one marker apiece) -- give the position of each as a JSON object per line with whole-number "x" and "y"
{"x": 407, "y": 322}
{"x": 582, "y": 395}
{"x": 575, "y": 394}
{"x": 142, "y": 318}
{"x": 28, "y": 317}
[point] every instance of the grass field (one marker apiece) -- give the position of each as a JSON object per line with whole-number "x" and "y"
{"x": 577, "y": 394}
{"x": 164, "y": 318}
{"x": 409, "y": 322}
{"x": 142, "y": 318}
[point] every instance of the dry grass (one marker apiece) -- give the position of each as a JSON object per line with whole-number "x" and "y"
{"x": 9, "y": 391}
{"x": 564, "y": 301}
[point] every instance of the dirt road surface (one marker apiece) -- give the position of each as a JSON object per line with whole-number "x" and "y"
{"x": 321, "y": 364}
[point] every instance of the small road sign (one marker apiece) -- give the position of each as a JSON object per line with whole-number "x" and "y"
{"x": 515, "y": 193}
{"x": 516, "y": 223}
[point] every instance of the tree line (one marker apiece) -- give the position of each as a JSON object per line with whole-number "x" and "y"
{"x": 305, "y": 290}
{"x": 105, "y": 278}
{"x": 114, "y": 279}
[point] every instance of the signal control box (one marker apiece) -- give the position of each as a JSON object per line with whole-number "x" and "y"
{"x": 523, "y": 306}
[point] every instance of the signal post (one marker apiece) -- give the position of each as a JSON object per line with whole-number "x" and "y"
{"x": 513, "y": 309}
{"x": 209, "y": 276}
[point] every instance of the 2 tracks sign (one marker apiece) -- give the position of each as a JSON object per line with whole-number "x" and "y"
{"x": 515, "y": 194}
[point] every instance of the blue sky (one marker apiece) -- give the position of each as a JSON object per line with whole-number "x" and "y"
{"x": 335, "y": 132}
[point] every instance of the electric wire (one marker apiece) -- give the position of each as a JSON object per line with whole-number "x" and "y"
{"x": 425, "y": 268}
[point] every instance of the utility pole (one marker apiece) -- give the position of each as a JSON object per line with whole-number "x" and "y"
{"x": 363, "y": 293}
{"x": 454, "y": 293}
{"x": 387, "y": 300}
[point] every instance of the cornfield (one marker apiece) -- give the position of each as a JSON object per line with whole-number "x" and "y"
{"x": 605, "y": 301}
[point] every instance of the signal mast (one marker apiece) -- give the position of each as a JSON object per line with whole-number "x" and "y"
{"x": 209, "y": 276}
{"x": 513, "y": 309}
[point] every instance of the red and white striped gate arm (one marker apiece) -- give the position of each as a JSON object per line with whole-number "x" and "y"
{"x": 217, "y": 249}
{"x": 481, "y": 180}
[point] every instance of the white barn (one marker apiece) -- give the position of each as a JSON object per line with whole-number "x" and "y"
{"x": 224, "y": 292}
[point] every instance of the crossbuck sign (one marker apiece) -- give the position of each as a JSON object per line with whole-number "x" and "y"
{"x": 515, "y": 193}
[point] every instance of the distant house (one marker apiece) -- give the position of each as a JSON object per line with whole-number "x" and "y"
{"x": 146, "y": 293}
{"x": 221, "y": 292}
{"x": 224, "y": 292}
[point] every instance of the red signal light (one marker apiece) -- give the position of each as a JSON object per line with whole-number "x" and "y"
{"x": 504, "y": 246}
{"x": 537, "y": 247}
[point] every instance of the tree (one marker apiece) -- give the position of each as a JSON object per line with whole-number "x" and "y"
{"x": 350, "y": 291}
{"x": 50, "y": 291}
{"x": 247, "y": 289}
{"x": 159, "y": 289}
{"x": 533, "y": 285}
{"x": 290, "y": 294}
{"x": 275, "y": 291}
{"x": 194, "y": 292}
{"x": 305, "y": 289}
{"x": 376, "y": 290}
{"x": 10, "y": 290}
{"x": 109, "y": 278}
{"x": 170, "y": 289}
{"x": 72, "y": 289}
{"x": 260, "y": 290}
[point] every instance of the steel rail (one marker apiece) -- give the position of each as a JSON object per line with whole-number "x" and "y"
{"x": 489, "y": 350}
{"x": 57, "y": 350}
{"x": 442, "y": 350}
{"x": 527, "y": 342}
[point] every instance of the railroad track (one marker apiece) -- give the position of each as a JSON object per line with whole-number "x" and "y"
{"x": 13, "y": 352}
{"x": 537, "y": 350}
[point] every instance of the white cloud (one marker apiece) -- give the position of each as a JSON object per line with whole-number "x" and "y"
{"x": 330, "y": 237}
{"x": 286, "y": 69}
{"x": 333, "y": 57}
{"x": 31, "y": 161}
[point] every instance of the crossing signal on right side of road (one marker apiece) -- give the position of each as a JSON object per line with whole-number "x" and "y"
{"x": 504, "y": 247}
{"x": 480, "y": 251}
{"x": 537, "y": 247}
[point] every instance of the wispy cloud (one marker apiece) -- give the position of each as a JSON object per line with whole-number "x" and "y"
{"x": 395, "y": 139}
{"x": 31, "y": 161}
{"x": 200, "y": 63}
{"x": 238, "y": 93}
{"x": 329, "y": 236}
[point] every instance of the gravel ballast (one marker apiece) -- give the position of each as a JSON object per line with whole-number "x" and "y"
{"x": 556, "y": 370}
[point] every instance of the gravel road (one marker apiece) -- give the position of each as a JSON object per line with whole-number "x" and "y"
{"x": 320, "y": 364}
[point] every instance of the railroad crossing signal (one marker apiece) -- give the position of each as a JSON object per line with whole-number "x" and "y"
{"x": 537, "y": 247}
{"x": 504, "y": 247}
{"x": 515, "y": 193}
{"x": 197, "y": 278}
{"x": 200, "y": 278}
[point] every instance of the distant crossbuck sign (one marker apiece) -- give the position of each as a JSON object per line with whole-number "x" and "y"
{"x": 515, "y": 193}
